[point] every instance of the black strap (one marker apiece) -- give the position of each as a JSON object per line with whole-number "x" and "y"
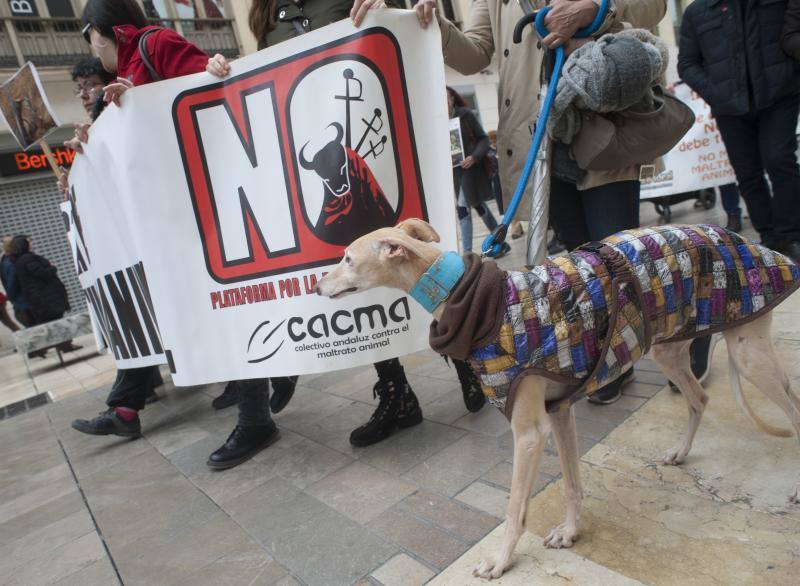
{"x": 145, "y": 57}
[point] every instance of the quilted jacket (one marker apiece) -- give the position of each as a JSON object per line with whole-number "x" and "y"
{"x": 688, "y": 281}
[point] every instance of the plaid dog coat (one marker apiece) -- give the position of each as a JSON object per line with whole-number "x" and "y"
{"x": 683, "y": 282}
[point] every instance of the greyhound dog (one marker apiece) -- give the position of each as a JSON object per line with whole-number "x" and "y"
{"x": 542, "y": 338}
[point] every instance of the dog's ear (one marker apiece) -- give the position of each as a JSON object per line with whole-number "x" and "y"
{"x": 394, "y": 249}
{"x": 419, "y": 230}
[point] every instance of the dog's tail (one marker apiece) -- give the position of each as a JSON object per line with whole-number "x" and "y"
{"x": 745, "y": 406}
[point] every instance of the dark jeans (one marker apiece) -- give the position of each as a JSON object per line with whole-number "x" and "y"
{"x": 584, "y": 216}
{"x": 730, "y": 199}
{"x": 132, "y": 387}
{"x": 254, "y": 402}
{"x": 765, "y": 141}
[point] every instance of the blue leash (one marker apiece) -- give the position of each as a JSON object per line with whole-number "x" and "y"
{"x": 493, "y": 244}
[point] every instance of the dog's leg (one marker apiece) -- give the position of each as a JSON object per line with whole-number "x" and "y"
{"x": 750, "y": 347}
{"x": 566, "y": 438}
{"x": 531, "y": 427}
{"x": 674, "y": 360}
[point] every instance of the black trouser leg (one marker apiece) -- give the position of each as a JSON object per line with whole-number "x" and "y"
{"x": 131, "y": 388}
{"x": 741, "y": 137}
{"x": 777, "y": 142}
{"x": 566, "y": 214}
{"x": 254, "y": 402}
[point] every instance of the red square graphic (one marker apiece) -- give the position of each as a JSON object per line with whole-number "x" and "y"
{"x": 338, "y": 118}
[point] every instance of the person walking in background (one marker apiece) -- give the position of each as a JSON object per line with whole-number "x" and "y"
{"x": 275, "y": 21}
{"x": 472, "y": 185}
{"x": 731, "y": 56}
{"x": 497, "y": 188}
{"x": 8, "y": 276}
{"x": 44, "y": 292}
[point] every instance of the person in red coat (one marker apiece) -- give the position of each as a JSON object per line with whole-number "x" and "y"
{"x": 115, "y": 29}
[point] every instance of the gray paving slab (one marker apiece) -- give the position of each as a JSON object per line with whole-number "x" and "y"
{"x": 221, "y": 486}
{"x": 40, "y": 542}
{"x": 100, "y": 573}
{"x": 361, "y": 492}
{"x": 43, "y": 515}
{"x": 424, "y": 540}
{"x": 453, "y": 468}
{"x": 62, "y": 561}
{"x": 466, "y": 523}
{"x": 170, "y": 556}
{"x": 409, "y": 447}
{"x": 300, "y": 460}
{"x": 249, "y": 564}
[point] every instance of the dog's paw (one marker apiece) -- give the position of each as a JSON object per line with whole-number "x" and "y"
{"x": 489, "y": 568}
{"x": 560, "y": 537}
{"x": 673, "y": 457}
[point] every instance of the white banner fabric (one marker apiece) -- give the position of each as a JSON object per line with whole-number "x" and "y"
{"x": 698, "y": 161}
{"x": 221, "y": 203}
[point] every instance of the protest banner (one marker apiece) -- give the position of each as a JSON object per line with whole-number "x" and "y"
{"x": 221, "y": 203}
{"x": 698, "y": 161}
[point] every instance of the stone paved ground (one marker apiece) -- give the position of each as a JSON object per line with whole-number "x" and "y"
{"x": 311, "y": 509}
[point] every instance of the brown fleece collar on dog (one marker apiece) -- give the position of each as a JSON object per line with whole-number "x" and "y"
{"x": 474, "y": 310}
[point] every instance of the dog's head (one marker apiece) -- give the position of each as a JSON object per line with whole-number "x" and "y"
{"x": 385, "y": 257}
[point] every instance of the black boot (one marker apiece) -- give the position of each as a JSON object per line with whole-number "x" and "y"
{"x": 734, "y": 222}
{"x": 474, "y": 399}
{"x": 611, "y": 392}
{"x": 243, "y": 444}
{"x": 398, "y": 407}
{"x": 228, "y": 398}
{"x": 109, "y": 423}
{"x": 282, "y": 392}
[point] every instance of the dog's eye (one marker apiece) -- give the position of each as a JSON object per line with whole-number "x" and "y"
{"x": 347, "y": 259}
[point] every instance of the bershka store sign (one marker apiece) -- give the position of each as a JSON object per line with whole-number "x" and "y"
{"x": 231, "y": 198}
{"x": 21, "y": 162}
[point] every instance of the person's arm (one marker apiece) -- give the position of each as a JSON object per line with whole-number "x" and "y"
{"x": 174, "y": 56}
{"x": 790, "y": 38}
{"x": 690, "y": 58}
{"x": 639, "y": 13}
{"x": 471, "y": 50}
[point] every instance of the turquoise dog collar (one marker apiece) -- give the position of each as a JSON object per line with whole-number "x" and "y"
{"x": 435, "y": 284}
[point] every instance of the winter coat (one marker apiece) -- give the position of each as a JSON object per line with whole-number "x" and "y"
{"x": 8, "y": 276}
{"x": 488, "y": 33}
{"x": 734, "y": 71}
{"x": 474, "y": 182}
{"x": 170, "y": 54}
{"x": 790, "y": 40}
{"x": 41, "y": 286}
